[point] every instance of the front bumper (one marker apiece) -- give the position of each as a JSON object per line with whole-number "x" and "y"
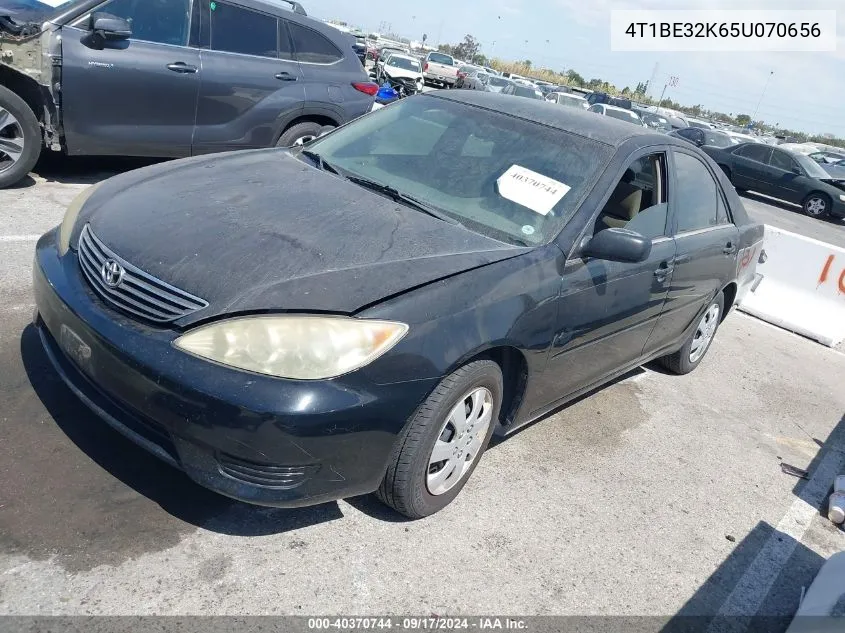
{"x": 258, "y": 439}
{"x": 837, "y": 210}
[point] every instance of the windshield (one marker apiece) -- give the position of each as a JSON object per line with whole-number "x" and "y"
{"x": 657, "y": 122}
{"x": 498, "y": 82}
{"x": 504, "y": 177}
{"x": 439, "y": 58}
{"x": 810, "y": 166}
{"x": 525, "y": 91}
{"x": 717, "y": 139}
{"x": 623, "y": 115}
{"x": 404, "y": 63}
{"x": 573, "y": 102}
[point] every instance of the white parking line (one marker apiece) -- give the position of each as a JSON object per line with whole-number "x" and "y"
{"x": 19, "y": 238}
{"x": 752, "y": 588}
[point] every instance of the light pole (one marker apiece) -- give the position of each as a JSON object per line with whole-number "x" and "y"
{"x": 762, "y": 94}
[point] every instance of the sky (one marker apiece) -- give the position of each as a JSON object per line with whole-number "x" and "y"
{"x": 806, "y": 91}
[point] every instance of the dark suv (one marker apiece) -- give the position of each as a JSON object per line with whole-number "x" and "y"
{"x": 172, "y": 78}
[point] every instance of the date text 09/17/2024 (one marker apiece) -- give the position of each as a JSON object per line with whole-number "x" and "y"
{"x": 406, "y": 623}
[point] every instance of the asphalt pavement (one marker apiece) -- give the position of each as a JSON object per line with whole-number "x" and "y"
{"x": 657, "y": 495}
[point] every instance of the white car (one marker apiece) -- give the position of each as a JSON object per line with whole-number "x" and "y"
{"x": 617, "y": 113}
{"x": 402, "y": 66}
{"x": 699, "y": 123}
{"x": 567, "y": 99}
{"x": 802, "y": 148}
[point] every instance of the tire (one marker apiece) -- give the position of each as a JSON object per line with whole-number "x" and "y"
{"x": 23, "y": 129}
{"x": 405, "y": 487}
{"x": 326, "y": 129}
{"x": 817, "y": 205}
{"x": 683, "y": 362}
{"x": 299, "y": 133}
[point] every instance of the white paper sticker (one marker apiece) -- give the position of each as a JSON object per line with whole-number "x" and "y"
{"x": 530, "y": 189}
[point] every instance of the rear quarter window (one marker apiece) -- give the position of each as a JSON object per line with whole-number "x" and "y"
{"x": 312, "y": 47}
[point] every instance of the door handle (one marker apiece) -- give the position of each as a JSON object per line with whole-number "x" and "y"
{"x": 664, "y": 271}
{"x": 729, "y": 249}
{"x": 285, "y": 77}
{"x": 182, "y": 67}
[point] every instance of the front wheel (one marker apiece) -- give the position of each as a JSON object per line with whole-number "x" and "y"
{"x": 443, "y": 441}
{"x": 693, "y": 351}
{"x": 816, "y": 205}
{"x": 20, "y": 138}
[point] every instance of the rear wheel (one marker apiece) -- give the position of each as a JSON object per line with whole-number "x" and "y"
{"x": 817, "y": 205}
{"x": 443, "y": 441}
{"x": 20, "y": 138}
{"x": 299, "y": 134}
{"x": 693, "y": 351}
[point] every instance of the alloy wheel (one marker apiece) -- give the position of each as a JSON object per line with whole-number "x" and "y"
{"x": 460, "y": 440}
{"x": 704, "y": 333}
{"x": 816, "y": 206}
{"x": 11, "y": 140}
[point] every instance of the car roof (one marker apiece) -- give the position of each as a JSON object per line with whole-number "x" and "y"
{"x": 573, "y": 120}
{"x": 617, "y": 108}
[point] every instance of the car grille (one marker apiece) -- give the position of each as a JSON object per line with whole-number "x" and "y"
{"x": 136, "y": 292}
{"x": 264, "y": 475}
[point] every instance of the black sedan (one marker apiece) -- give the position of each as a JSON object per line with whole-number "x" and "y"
{"x": 362, "y": 313}
{"x": 784, "y": 175}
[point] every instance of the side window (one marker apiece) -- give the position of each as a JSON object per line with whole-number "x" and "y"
{"x": 237, "y": 30}
{"x": 596, "y": 108}
{"x": 686, "y": 132}
{"x": 755, "y": 151}
{"x": 696, "y": 196}
{"x": 638, "y": 201}
{"x": 163, "y": 22}
{"x": 782, "y": 160}
{"x": 312, "y": 47}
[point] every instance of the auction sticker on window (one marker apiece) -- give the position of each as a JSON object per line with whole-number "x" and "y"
{"x": 530, "y": 189}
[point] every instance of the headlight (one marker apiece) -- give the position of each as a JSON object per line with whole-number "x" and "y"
{"x": 70, "y": 218}
{"x": 292, "y": 346}
{"x": 842, "y": 197}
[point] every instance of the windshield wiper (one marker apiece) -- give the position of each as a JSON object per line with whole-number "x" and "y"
{"x": 321, "y": 164}
{"x": 404, "y": 198}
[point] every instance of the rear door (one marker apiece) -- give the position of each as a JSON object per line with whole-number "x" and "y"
{"x": 786, "y": 177}
{"x": 250, "y": 80}
{"x": 751, "y": 166}
{"x": 329, "y": 70}
{"x": 135, "y": 97}
{"x": 706, "y": 246}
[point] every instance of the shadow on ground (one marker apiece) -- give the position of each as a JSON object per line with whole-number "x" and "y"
{"x": 80, "y": 170}
{"x": 99, "y": 498}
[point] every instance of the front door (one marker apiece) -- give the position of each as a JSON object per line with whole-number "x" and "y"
{"x": 786, "y": 176}
{"x": 135, "y": 97}
{"x": 706, "y": 243}
{"x": 607, "y": 310}
{"x": 250, "y": 81}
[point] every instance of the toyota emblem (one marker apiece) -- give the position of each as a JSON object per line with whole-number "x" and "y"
{"x": 111, "y": 273}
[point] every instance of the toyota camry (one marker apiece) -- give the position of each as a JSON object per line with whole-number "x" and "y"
{"x": 361, "y": 314}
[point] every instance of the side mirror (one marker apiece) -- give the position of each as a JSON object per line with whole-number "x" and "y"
{"x": 796, "y": 170}
{"x": 110, "y": 27}
{"x": 618, "y": 245}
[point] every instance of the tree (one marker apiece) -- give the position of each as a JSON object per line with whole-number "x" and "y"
{"x": 626, "y": 91}
{"x": 594, "y": 84}
{"x": 527, "y": 63}
{"x": 574, "y": 78}
{"x": 467, "y": 49}
{"x": 743, "y": 119}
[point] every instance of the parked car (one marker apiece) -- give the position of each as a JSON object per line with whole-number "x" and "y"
{"x": 476, "y": 81}
{"x": 496, "y": 83}
{"x": 655, "y": 121}
{"x": 246, "y": 88}
{"x": 602, "y": 97}
{"x": 703, "y": 136}
{"x": 468, "y": 72}
{"x": 623, "y": 114}
{"x": 440, "y": 69}
{"x": 360, "y": 48}
{"x": 294, "y": 366}
{"x": 836, "y": 170}
{"x": 784, "y": 175}
{"x": 492, "y": 71}
{"x": 520, "y": 90}
{"x": 699, "y": 123}
{"x": 568, "y": 100}
{"x": 827, "y": 157}
{"x": 398, "y": 66}
{"x": 740, "y": 137}
{"x": 385, "y": 52}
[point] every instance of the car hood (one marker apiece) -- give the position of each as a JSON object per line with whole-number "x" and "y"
{"x": 263, "y": 231}
{"x": 396, "y": 73}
